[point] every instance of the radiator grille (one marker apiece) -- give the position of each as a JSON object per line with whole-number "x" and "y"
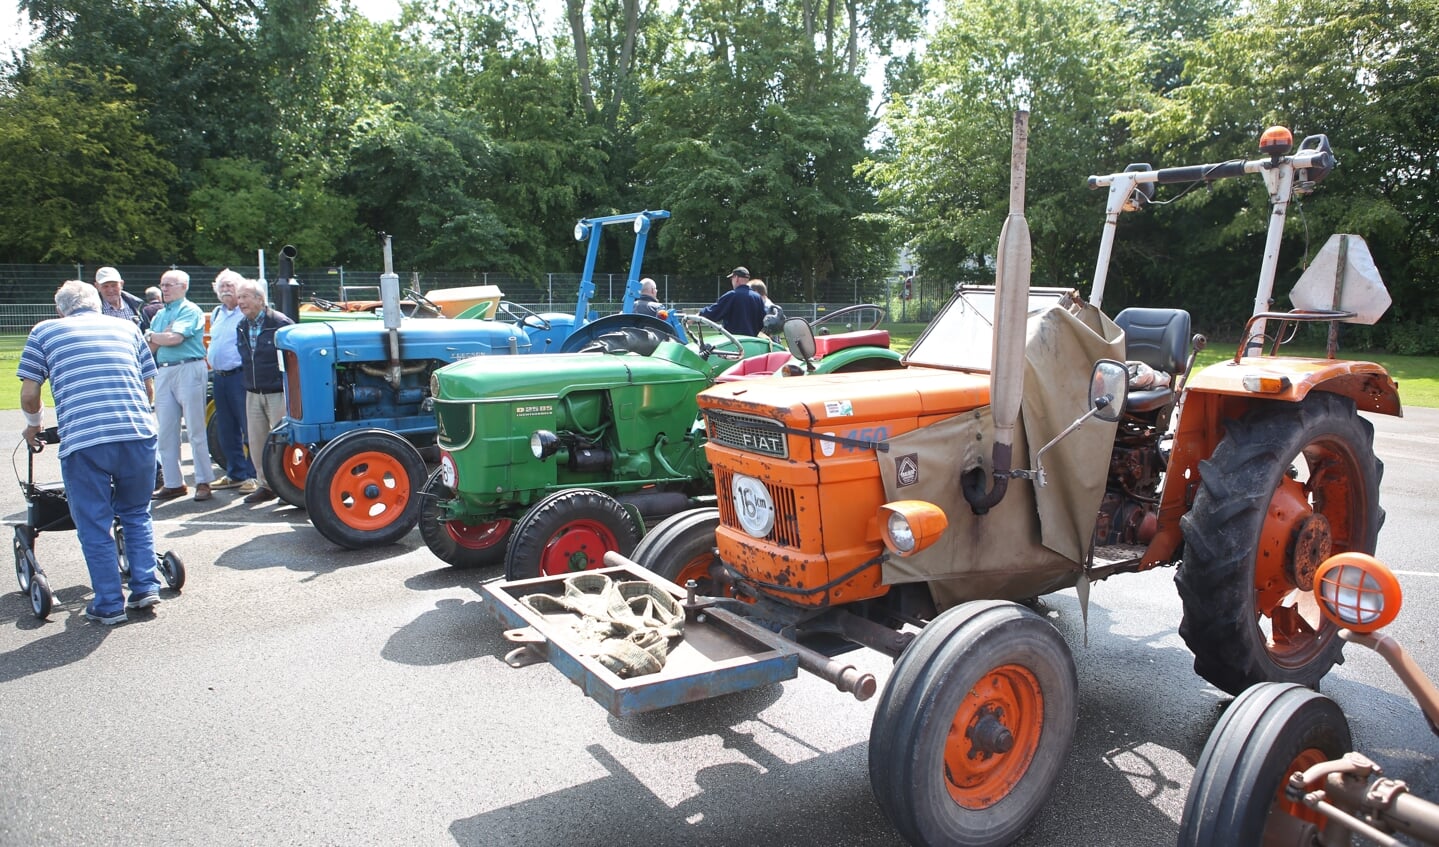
{"x": 786, "y": 513}
{"x": 754, "y": 435}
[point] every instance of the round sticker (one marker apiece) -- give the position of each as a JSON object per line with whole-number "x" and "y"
{"x": 752, "y": 505}
{"x": 826, "y": 447}
{"x": 447, "y": 471}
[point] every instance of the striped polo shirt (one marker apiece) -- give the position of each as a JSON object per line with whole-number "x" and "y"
{"x": 97, "y": 367}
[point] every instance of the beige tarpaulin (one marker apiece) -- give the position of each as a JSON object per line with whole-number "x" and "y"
{"x": 1035, "y": 540}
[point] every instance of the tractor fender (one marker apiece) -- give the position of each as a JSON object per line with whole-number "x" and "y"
{"x": 864, "y": 358}
{"x": 1218, "y": 394}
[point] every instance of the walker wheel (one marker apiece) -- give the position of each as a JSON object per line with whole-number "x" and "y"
{"x": 41, "y": 600}
{"x": 24, "y": 557}
{"x": 172, "y": 569}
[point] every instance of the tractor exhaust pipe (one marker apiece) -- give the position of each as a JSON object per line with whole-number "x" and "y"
{"x": 390, "y": 307}
{"x": 1006, "y": 377}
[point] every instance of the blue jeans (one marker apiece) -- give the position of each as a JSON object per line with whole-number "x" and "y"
{"x": 105, "y": 482}
{"x": 229, "y": 393}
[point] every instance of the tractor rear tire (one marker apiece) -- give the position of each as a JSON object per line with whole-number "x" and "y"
{"x": 971, "y": 733}
{"x": 1244, "y": 580}
{"x": 567, "y": 532}
{"x": 681, "y": 548}
{"x": 287, "y": 466}
{"x": 365, "y": 488}
{"x": 458, "y": 544}
{"x": 1268, "y": 732}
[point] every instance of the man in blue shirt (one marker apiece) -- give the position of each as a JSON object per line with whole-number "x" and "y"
{"x": 229, "y": 385}
{"x": 739, "y": 310}
{"x": 102, "y": 377}
{"x": 177, "y": 338}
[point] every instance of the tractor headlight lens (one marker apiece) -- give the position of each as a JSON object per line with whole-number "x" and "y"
{"x": 581, "y": 231}
{"x": 544, "y": 444}
{"x": 901, "y": 534}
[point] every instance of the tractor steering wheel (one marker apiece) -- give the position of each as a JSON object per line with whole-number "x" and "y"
{"x": 421, "y": 302}
{"x": 522, "y": 315}
{"x": 694, "y": 328}
{"x": 879, "y": 315}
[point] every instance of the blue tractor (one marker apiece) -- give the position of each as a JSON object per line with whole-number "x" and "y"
{"x": 358, "y": 395}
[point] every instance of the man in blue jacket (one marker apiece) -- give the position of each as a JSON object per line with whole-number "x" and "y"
{"x": 264, "y": 384}
{"x": 739, "y": 310}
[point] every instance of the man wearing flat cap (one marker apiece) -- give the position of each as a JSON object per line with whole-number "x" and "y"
{"x": 739, "y": 310}
{"x": 118, "y": 303}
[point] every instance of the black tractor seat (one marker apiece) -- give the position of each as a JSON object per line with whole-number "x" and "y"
{"x": 1160, "y": 339}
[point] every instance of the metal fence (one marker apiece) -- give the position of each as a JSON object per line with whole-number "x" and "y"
{"x": 27, "y": 291}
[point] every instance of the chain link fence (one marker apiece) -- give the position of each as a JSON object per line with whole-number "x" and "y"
{"x": 27, "y": 291}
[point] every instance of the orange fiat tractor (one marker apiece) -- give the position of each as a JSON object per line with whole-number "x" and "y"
{"x": 1030, "y": 444}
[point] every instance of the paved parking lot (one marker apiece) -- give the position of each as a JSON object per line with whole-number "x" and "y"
{"x": 297, "y": 693}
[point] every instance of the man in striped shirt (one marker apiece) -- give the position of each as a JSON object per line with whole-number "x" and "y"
{"x": 102, "y": 377}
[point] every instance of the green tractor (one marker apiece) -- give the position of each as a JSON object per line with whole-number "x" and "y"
{"x": 549, "y": 462}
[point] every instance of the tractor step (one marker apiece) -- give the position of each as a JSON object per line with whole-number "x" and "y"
{"x": 1118, "y": 554}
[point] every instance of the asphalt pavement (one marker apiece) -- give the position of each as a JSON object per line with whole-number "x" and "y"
{"x": 297, "y": 693}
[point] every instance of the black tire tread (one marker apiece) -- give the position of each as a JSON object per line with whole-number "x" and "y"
{"x": 676, "y": 540}
{"x": 438, "y": 539}
{"x": 324, "y": 466}
{"x": 1215, "y": 580}
{"x": 545, "y": 518}
{"x": 275, "y": 478}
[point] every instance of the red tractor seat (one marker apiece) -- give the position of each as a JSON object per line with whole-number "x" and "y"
{"x": 826, "y": 344}
{"x": 762, "y": 365}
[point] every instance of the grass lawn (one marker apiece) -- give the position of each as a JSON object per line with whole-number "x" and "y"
{"x": 1418, "y": 376}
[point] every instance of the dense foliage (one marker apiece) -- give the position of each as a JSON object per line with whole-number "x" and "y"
{"x": 477, "y": 131}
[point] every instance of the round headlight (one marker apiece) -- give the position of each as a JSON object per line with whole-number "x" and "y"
{"x": 642, "y": 224}
{"x": 901, "y": 534}
{"x": 544, "y": 444}
{"x": 581, "y": 231}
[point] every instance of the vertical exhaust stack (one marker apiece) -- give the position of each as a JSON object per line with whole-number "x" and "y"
{"x": 1011, "y": 307}
{"x": 390, "y": 308}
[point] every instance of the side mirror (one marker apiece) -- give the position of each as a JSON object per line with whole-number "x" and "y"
{"x": 1108, "y": 389}
{"x": 799, "y": 338}
{"x": 1357, "y": 591}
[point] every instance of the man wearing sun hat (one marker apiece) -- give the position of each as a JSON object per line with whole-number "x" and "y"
{"x": 118, "y": 303}
{"x": 739, "y": 310}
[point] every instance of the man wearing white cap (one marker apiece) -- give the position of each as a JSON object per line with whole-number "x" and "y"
{"x": 116, "y": 302}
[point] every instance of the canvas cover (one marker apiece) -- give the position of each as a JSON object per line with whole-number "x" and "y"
{"x": 1036, "y": 539}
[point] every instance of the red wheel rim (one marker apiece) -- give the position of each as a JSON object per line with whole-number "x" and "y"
{"x": 577, "y": 546}
{"x": 296, "y": 464}
{"x": 995, "y": 734}
{"x": 369, "y": 491}
{"x": 479, "y": 536}
{"x": 1319, "y": 496}
{"x": 1306, "y": 759}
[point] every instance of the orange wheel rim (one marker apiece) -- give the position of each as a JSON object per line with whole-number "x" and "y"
{"x": 296, "y": 465}
{"x": 369, "y": 491}
{"x": 1304, "y": 761}
{"x": 1319, "y": 494}
{"x": 994, "y": 736}
{"x": 697, "y": 569}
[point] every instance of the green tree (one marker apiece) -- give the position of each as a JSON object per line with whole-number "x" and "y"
{"x": 82, "y": 179}
{"x": 948, "y": 176}
{"x": 237, "y": 209}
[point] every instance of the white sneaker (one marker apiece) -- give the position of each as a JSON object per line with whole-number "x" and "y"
{"x": 249, "y": 486}
{"x": 225, "y": 482}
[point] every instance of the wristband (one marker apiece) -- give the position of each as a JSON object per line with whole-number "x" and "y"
{"x": 34, "y": 418}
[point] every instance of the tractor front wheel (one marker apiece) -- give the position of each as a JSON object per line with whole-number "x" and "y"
{"x": 286, "y": 467}
{"x": 1267, "y": 733}
{"x": 567, "y": 532}
{"x": 364, "y": 489}
{"x": 460, "y": 544}
{"x": 682, "y": 548}
{"x": 1289, "y": 484}
{"x": 971, "y": 733}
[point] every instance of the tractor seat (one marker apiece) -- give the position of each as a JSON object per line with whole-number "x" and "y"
{"x": 826, "y": 344}
{"x": 761, "y": 365}
{"x": 1160, "y": 339}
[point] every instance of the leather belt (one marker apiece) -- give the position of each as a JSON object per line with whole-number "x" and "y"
{"x": 182, "y": 361}
{"x": 230, "y": 372}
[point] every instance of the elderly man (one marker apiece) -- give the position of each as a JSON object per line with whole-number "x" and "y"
{"x": 229, "y": 386}
{"x": 648, "y": 302}
{"x": 102, "y": 377}
{"x": 116, "y": 302}
{"x": 177, "y": 338}
{"x": 741, "y": 309}
{"x": 264, "y": 384}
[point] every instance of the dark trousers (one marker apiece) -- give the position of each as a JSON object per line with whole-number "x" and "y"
{"x": 229, "y": 394}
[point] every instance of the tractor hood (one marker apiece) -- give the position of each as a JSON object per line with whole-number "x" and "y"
{"x": 560, "y": 373}
{"x": 367, "y": 341}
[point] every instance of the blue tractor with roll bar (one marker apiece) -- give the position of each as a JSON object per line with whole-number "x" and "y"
{"x": 358, "y": 407}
